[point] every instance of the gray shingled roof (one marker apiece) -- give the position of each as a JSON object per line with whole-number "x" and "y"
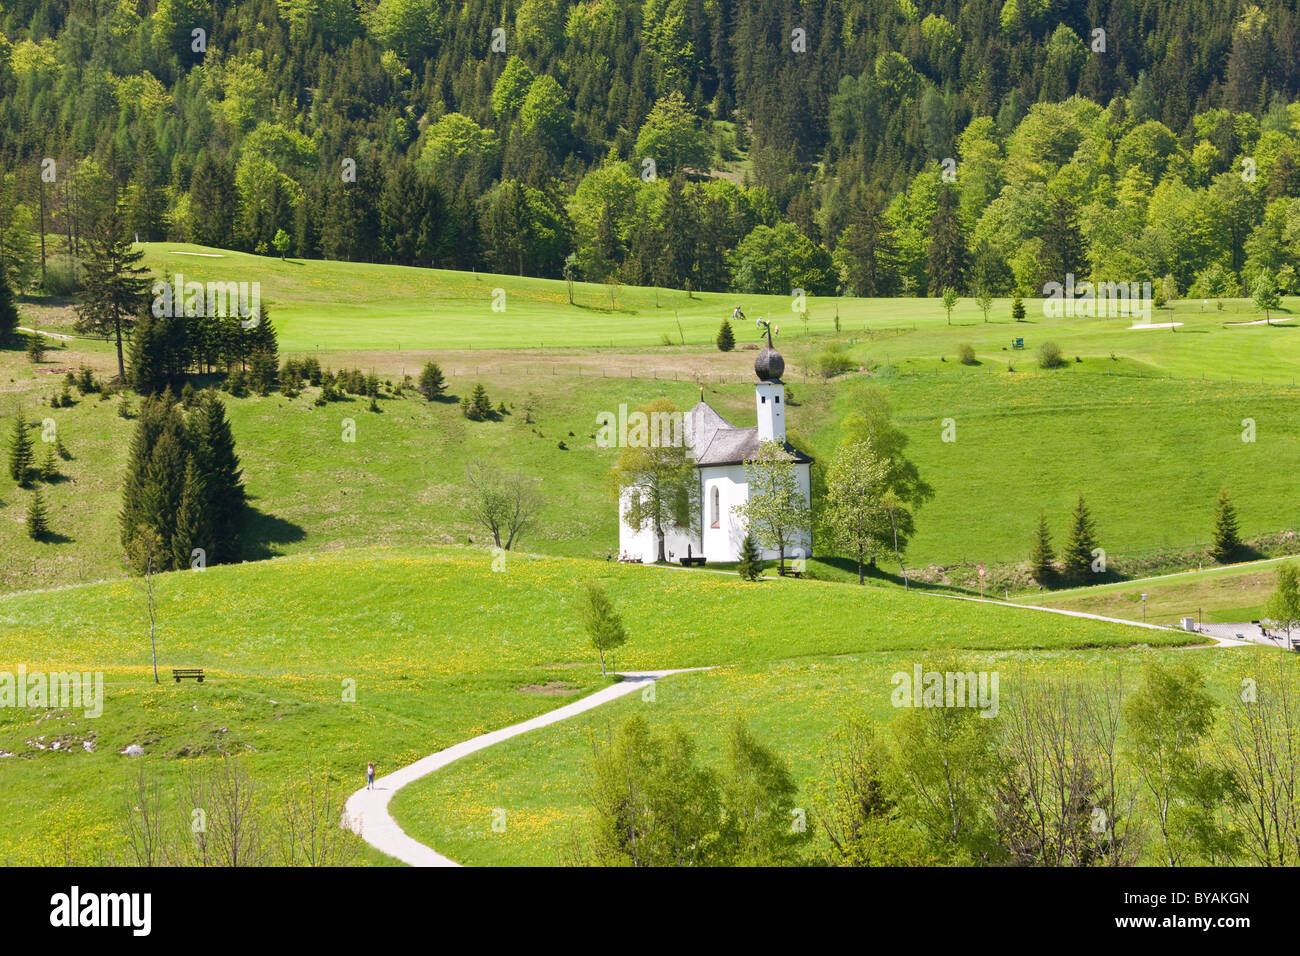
{"x": 715, "y": 441}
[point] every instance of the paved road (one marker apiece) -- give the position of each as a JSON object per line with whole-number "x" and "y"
{"x": 367, "y": 813}
{"x": 1220, "y": 640}
{"x": 1232, "y": 634}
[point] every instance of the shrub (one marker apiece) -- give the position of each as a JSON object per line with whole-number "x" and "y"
{"x": 832, "y": 361}
{"x": 966, "y": 354}
{"x": 1049, "y": 356}
{"x": 60, "y": 279}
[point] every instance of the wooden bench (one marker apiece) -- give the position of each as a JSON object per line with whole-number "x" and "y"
{"x": 178, "y": 673}
{"x": 789, "y": 573}
{"x": 693, "y": 561}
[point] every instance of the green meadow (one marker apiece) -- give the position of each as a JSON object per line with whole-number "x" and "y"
{"x": 331, "y": 306}
{"x": 1234, "y": 593}
{"x": 1150, "y": 455}
{"x": 795, "y": 706}
{"x": 437, "y": 646}
{"x": 1131, "y": 423}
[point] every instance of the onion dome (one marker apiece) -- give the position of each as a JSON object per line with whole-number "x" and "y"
{"x": 769, "y": 365}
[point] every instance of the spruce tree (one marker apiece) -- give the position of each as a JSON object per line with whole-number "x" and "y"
{"x": 946, "y": 258}
{"x": 1018, "y": 309}
{"x": 432, "y": 383}
{"x": 1040, "y": 561}
{"x": 1077, "y": 558}
{"x": 1064, "y": 250}
{"x": 1227, "y": 539}
{"x": 35, "y": 348}
{"x": 749, "y": 566}
{"x": 145, "y": 369}
{"x": 726, "y": 338}
{"x": 212, "y": 202}
{"x": 20, "y": 452}
{"x": 8, "y": 309}
{"x": 38, "y": 519}
{"x": 154, "y": 474}
{"x": 480, "y": 401}
{"x": 49, "y": 465}
{"x": 218, "y": 467}
{"x": 192, "y": 527}
{"x": 116, "y": 285}
{"x": 164, "y": 479}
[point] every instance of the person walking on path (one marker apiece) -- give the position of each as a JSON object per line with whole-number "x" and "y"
{"x": 370, "y": 775}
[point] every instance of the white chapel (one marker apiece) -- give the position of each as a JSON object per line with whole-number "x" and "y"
{"x": 720, "y": 450}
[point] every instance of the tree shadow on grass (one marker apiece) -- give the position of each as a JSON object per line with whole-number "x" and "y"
{"x": 879, "y": 575}
{"x": 604, "y": 309}
{"x": 264, "y": 533}
{"x": 54, "y": 537}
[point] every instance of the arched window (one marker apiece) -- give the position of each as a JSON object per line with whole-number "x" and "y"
{"x": 714, "y": 510}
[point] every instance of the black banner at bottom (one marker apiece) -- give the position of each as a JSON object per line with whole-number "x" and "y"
{"x": 366, "y": 905}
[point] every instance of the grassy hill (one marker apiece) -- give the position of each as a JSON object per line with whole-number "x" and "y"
{"x": 318, "y": 305}
{"x": 440, "y": 648}
{"x": 795, "y": 706}
{"x": 1229, "y": 594}
{"x": 1131, "y": 424}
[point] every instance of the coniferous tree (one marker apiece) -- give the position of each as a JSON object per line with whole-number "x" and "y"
{"x": 20, "y": 452}
{"x": 218, "y": 466}
{"x": 212, "y": 202}
{"x": 1077, "y": 557}
{"x": 432, "y": 384}
{"x": 35, "y": 348}
{"x": 946, "y": 261}
{"x": 1040, "y": 561}
{"x": 480, "y": 401}
{"x": 1227, "y": 539}
{"x": 49, "y": 465}
{"x": 1064, "y": 249}
{"x": 726, "y": 337}
{"x": 193, "y": 529}
{"x": 160, "y": 352}
{"x": 869, "y": 248}
{"x": 38, "y": 519}
{"x": 116, "y": 285}
{"x": 1018, "y": 309}
{"x": 750, "y": 567}
{"x": 8, "y": 309}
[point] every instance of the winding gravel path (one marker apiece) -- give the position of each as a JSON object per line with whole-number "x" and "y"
{"x": 366, "y": 813}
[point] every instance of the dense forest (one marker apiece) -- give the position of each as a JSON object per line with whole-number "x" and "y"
{"x": 872, "y": 147}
